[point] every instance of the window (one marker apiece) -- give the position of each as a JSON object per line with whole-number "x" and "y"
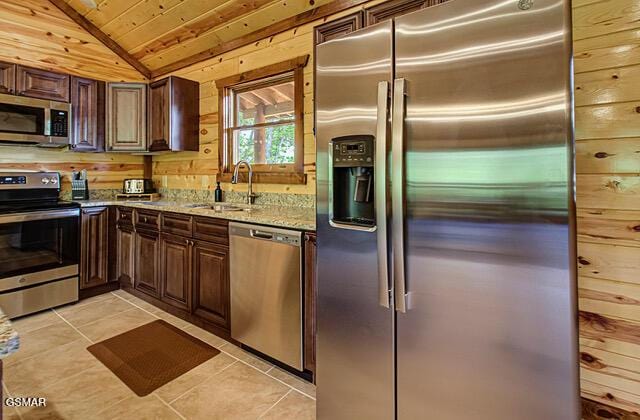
{"x": 261, "y": 122}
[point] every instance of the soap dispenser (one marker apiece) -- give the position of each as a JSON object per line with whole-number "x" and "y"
{"x": 218, "y": 193}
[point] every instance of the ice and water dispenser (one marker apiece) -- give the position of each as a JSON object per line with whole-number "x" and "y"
{"x": 351, "y": 182}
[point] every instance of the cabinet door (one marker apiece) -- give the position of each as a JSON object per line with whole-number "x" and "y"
{"x": 7, "y": 77}
{"x": 174, "y": 109}
{"x": 126, "y": 117}
{"x": 310, "y": 301}
{"x": 175, "y": 271}
{"x": 159, "y": 114}
{"x": 87, "y": 105}
{"x": 125, "y": 256}
{"x": 211, "y": 298}
{"x": 43, "y": 84}
{"x": 146, "y": 262}
{"x": 94, "y": 247}
{"x": 338, "y": 28}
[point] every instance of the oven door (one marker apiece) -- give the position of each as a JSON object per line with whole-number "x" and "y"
{"x": 38, "y": 247}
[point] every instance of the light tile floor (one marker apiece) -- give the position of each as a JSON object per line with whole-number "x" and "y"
{"x": 53, "y": 362}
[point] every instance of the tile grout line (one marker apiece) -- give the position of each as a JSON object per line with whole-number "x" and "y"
{"x": 272, "y": 377}
{"x": 133, "y": 304}
{"x": 169, "y": 406}
{"x": 276, "y": 403}
{"x": 195, "y": 386}
{"x": 69, "y": 324}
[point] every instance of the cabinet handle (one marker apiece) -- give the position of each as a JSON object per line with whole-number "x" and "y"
{"x": 144, "y": 219}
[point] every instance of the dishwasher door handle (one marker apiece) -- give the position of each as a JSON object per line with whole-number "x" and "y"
{"x": 260, "y": 235}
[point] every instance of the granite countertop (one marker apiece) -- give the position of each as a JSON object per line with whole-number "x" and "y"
{"x": 9, "y": 340}
{"x": 301, "y": 218}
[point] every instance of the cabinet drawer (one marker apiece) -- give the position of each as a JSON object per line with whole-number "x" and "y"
{"x": 147, "y": 219}
{"x": 179, "y": 224}
{"x": 124, "y": 216}
{"x": 212, "y": 230}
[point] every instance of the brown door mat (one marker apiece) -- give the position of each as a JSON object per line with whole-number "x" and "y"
{"x": 147, "y": 357}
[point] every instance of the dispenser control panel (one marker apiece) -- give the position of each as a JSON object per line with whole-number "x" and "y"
{"x": 353, "y": 151}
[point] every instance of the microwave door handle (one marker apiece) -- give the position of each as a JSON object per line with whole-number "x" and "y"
{"x": 380, "y": 192}
{"x": 47, "y": 122}
{"x": 397, "y": 193}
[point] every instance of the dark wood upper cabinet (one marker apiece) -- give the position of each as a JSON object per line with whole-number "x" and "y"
{"x": 310, "y": 296}
{"x": 94, "y": 247}
{"x": 175, "y": 270}
{"x": 174, "y": 105}
{"x": 338, "y": 28}
{"x": 7, "y": 77}
{"x": 87, "y": 113}
{"x": 390, "y": 9}
{"x": 43, "y": 84}
{"x": 146, "y": 262}
{"x": 370, "y": 16}
{"x": 211, "y": 289}
{"x": 126, "y": 117}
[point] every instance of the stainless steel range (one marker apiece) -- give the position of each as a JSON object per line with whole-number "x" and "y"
{"x": 39, "y": 244}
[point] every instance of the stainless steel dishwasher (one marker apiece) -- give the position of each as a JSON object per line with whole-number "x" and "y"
{"x": 266, "y": 290}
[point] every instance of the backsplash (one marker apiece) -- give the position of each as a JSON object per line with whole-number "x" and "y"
{"x": 264, "y": 198}
{"x": 102, "y": 195}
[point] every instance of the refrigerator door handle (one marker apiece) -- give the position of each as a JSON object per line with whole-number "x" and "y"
{"x": 397, "y": 193}
{"x": 380, "y": 179}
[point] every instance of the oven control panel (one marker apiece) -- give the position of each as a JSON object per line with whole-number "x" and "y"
{"x": 10, "y": 180}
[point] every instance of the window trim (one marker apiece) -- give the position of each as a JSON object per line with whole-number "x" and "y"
{"x": 264, "y": 173}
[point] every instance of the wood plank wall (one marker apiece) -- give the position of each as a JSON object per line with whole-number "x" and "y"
{"x": 197, "y": 170}
{"x": 35, "y": 33}
{"x": 607, "y": 95}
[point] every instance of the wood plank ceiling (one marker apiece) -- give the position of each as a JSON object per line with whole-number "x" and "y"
{"x": 164, "y": 34}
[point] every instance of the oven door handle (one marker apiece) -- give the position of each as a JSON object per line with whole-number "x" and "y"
{"x": 38, "y": 215}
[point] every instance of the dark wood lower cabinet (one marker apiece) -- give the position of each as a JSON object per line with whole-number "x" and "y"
{"x": 175, "y": 270}
{"x": 211, "y": 294}
{"x": 187, "y": 274}
{"x": 125, "y": 247}
{"x": 146, "y": 262}
{"x": 94, "y": 247}
{"x": 310, "y": 294}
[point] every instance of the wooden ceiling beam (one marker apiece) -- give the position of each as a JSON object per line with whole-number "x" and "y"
{"x": 320, "y": 12}
{"x": 101, "y": 36}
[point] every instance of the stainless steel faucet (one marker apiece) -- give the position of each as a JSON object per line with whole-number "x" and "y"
{"x": 251, "y": 197}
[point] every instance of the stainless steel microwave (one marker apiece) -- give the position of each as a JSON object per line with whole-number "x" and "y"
{"x": 30, "y": 121}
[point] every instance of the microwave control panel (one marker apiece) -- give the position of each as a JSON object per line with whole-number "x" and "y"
{"x": 59, "y": 123}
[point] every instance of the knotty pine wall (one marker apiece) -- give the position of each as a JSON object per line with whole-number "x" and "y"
{"x": 35, "y": 33}
{"x": 197, "y": 170}
{"x": 607, "y": 94}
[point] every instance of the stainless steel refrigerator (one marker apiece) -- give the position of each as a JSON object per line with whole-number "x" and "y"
{"x": 446, "y": 282}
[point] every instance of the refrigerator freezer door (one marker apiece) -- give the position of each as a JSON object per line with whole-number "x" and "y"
{"x": 354, "y": 364}
{"x": 490, "y": 331}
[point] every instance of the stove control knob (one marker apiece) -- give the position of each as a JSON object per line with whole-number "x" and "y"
{"x": 45, "y": 181}
{"x": 54, "y": 180}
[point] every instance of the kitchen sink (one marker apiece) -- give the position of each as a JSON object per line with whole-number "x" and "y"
{"x": 219, "y": 207}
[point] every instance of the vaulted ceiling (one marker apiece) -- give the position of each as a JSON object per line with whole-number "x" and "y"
{"x": 162, "y": 34}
